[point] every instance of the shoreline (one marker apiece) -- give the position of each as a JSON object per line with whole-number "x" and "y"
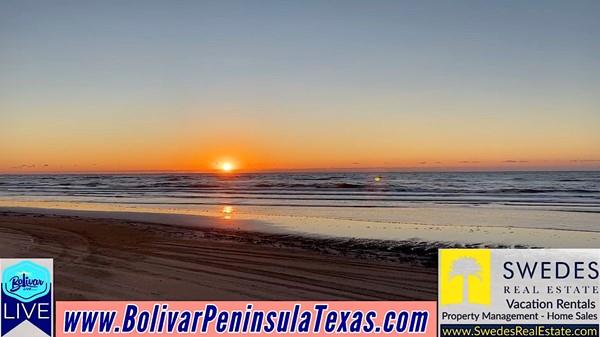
{"x": 422, "y": 253}
{"x": 116, "y": 259}
{"x": 329, "y": 229}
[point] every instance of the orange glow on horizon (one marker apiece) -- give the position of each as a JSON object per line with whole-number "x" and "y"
{"x": 229, "y": 167}
{"x": 235, "y": 155}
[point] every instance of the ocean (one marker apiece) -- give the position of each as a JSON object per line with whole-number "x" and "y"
{"x": 373, "y": 204}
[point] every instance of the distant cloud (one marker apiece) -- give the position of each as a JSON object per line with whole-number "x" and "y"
{"x": 469, "y": 161}
{"x": 23, "y": 166}
{"x": 516, "y": 161}
{"x": 585, "y": 160}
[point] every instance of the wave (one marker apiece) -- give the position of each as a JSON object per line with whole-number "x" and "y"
{"x": 540, "y": 190}
{"x": 296, "y": 188}
{"x": 317, "y": 186}
{"x": 480, "y": 187}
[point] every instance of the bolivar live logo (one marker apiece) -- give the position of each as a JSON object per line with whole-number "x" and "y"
{"x": 26, "y": 299}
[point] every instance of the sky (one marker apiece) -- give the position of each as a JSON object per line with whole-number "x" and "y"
{"x": 291, "y": 85}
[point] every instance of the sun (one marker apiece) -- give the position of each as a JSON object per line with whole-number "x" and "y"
{"x": 227, "y": 167}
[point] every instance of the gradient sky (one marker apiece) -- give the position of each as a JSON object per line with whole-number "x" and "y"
{"x": 184, "y": 85}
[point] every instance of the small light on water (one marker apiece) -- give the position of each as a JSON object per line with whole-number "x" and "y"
{"x": 378, "y": 178}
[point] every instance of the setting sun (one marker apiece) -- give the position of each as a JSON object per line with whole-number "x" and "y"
{"x": 227, "y": 167}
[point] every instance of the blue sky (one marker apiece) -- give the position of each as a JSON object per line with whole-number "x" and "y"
{"x": 267, "y": 79}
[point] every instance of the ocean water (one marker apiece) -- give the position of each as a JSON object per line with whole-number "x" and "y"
{"x": 566, "y": 201}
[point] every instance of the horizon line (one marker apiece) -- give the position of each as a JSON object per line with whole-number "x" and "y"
{"x": 308, "y": 170}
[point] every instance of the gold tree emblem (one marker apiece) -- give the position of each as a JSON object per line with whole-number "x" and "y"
{"x": 465, "y": 267}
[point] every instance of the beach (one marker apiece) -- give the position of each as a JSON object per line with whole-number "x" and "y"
{"x": 117, "y": 259}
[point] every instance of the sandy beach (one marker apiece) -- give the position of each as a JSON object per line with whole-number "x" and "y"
{"x": 115, "y": 259}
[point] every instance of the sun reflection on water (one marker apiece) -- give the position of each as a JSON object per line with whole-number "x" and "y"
{"x": 227, "y": 212}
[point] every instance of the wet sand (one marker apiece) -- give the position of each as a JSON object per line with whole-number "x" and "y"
{"x": 424, "y": 238}
{"x": 112, "y": 259}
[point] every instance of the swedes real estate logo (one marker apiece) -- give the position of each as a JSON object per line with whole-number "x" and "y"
{"x": 26, "y": 303}
{"x": 519, "y": 292}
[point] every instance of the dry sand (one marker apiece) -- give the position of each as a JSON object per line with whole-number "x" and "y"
{"x": 110, "y": 259}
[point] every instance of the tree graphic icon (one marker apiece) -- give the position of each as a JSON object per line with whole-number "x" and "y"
{"x": 465, "y": 267}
